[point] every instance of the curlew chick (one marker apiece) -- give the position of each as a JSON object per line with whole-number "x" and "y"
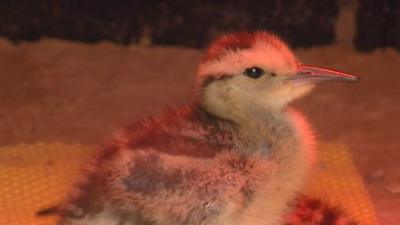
{"x": 237, "y": 156}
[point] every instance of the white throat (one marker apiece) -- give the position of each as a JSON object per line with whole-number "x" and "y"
{"x": 263, "y": 126}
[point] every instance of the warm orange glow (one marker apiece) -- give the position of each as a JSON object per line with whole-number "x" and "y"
{"x": 37, "y": 176}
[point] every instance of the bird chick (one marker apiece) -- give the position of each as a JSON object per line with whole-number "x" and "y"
{"x": 238, "y": 155}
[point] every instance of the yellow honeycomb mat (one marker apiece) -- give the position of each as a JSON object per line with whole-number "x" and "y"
{"x": 37, "y": 176}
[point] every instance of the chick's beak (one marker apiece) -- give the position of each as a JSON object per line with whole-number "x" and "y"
{"x": 314, "y": 74}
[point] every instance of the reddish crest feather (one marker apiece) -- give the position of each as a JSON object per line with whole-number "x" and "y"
{"x": 235, "y": 42}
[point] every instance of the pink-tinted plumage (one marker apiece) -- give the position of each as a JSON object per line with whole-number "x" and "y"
{"x": 238, "y": 155}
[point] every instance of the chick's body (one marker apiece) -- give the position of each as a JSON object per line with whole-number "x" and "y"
{"x": 237, "y": 156}
{"x": 188, "y": 167}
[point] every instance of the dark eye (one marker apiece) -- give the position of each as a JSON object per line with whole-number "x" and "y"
{"x": 254, "y": 72}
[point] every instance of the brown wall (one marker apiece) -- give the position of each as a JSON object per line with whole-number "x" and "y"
{"x": 195, "y": 23}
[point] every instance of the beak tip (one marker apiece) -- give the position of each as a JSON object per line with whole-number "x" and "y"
{"x": 354, "y": 79}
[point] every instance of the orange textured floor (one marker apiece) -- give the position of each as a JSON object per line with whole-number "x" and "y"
{"x": 37, "y": 176}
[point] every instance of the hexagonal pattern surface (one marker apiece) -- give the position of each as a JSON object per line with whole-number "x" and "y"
{"x": 36, "y": 176}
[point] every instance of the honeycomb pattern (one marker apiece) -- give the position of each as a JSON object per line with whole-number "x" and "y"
{"x": 37, "y": 176}
{"x": 337, "y": 181}
{"x": 34, "y": 177}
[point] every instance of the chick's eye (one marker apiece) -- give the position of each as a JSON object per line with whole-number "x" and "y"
{"x": 254, "y": 72}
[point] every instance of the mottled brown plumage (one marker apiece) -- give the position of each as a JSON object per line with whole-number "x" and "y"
{"x": 308, "y": 211}
{"x": 237, "y": 156}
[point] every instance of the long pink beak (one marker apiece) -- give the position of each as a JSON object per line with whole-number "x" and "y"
{"x": 316, "y": 74}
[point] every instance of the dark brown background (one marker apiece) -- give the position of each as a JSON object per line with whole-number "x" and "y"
{"x": 195, "y": 23}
